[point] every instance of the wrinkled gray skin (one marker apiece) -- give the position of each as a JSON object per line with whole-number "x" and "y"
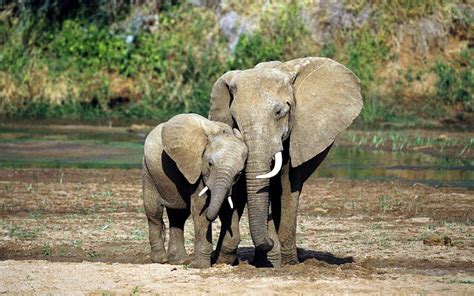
{"x": 181, "y": 157}
{"x": 297, "y": 108}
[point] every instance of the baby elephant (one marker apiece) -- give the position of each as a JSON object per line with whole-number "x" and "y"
{"x": 184, "y": 158}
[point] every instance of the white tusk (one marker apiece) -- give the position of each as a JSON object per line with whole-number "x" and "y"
{"x": 203, "y": 191}
{"x": 229, "y": 199}
{"x": 276, "y": 168}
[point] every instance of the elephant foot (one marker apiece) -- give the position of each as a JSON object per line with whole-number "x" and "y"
{"x": 262, "y": 259}
{"x": 200, "y": 264}
{"x": 270, "y": 259}
{"x": 201, "y": 260}
{"x": 178, "y": 259}
{"x": 289, "y": 258}
{"x": 225, "y": 258}
{"x": 158, "y": 257}
{"x": 275, "y": 260}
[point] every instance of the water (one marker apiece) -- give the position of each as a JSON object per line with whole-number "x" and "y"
{"x": 76, "y": 146}
{"x": 102, "y": 147}
{"x": 355, "y": 163}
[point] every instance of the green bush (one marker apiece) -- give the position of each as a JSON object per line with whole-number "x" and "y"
{"x": 455, "y": 83}
{"x": 328, "y": 50}
{"x": 364, "y": 53}
{"x": 74, "y": 62}
{"x": 253, "y": 49}
{"x": 88, "y": 46}
{"x": 170, "y": 71}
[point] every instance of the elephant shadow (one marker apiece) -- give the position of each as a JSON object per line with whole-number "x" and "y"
{"x": 247, "y": 254}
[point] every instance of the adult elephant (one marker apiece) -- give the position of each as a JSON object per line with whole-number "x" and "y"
{"x": 291, "y": 112}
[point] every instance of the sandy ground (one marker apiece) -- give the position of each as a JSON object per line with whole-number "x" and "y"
{"x": 84, "y": 232}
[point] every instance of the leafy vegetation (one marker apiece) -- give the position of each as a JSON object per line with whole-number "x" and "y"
{"x": 21, "y": 233}
{"x": 84, "y": 62}
{"x": 455, "y": 83}
{"x": 83, "y": 70}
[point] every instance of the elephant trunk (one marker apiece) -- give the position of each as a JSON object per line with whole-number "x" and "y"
{"x": 258, "y": 203}
{"x": 219, "y": 192}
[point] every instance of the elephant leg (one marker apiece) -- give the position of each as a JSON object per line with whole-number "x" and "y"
{"x": 287, "y": 230}
{"x": 292, "y": 180}
{"x": 156, "y": 233}
{"x": 154, "y": 213}
{"x": 176, "y": 251}
{"x": 273, "y": 257}
{"x": 202, "y": 234}
{"x": 288, "y": 217}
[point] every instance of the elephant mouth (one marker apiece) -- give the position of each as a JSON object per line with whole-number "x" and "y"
{"x": 276, "y": 168}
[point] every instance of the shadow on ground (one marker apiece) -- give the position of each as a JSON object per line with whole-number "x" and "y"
{"x": 247, "y": 254}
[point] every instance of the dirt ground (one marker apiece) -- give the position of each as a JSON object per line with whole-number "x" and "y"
{"x": 84, "y": 232}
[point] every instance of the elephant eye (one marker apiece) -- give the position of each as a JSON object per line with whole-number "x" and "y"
{"x": 210, "y": 163}
{"x": 281, "y": 111}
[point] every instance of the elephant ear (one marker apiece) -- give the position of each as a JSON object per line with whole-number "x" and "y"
{"x": 221, "y": 98}
{"x": 328, "y": 99}
{"x": 184, "y": 139}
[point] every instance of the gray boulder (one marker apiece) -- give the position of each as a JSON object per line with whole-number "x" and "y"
{"x": 233, "y": 25}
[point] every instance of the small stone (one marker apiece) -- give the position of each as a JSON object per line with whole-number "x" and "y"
{"x": 421, "y": 219}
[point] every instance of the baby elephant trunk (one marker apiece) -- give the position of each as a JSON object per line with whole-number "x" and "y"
{"x": 219, "y": 194}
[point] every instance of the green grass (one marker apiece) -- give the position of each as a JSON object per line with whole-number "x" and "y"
{"x": 23, "y": 234}
{"x": 46, "y": 250}
{"x": 8, "y": 188}
{"x": 35, "y": 214}
{"x": 92, "y": 254}
{"x": 402, "y": 141}
{"x": 462, "y": 281}
{"x": 388, "y": 203}
{"x": 138, "y": 234}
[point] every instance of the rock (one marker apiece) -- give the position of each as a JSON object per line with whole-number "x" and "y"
{"x": 143, "y": 20}
{"x": 462, "y": 16}
{"x": 134, "y": 128}
{"x": 442, "y": 137}
{"x": 320, "y": 210}
{"x": 421, "y": 219}
{"x": 328, "y": 17}
{"x": 233, "y": 26}
{"x": 424, "y": 34}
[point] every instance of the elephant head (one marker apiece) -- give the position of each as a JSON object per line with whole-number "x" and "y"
{"x": 307, "y": 101}
{"x": 201, "y": 147}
